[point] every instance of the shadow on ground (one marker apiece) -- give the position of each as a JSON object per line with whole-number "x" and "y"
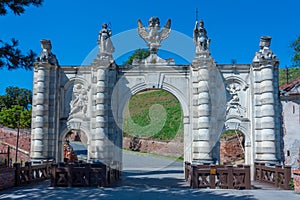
{"x": 118, "y": 191}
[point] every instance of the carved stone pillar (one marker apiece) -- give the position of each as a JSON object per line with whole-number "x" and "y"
{"x": 99, "y": 138}
{"x": 266, "y": 130}
{"x": 43, "y": 105}
{"x": 114, "y": 132}
{"x": 201, "y": 107}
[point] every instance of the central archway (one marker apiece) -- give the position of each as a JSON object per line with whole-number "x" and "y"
{"x": 153, "y": 123}
{"x": 168, "y": 79}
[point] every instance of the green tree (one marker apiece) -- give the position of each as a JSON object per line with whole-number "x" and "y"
{"x": 295, "y": 45}
{"x": 9, "y": 117}
{"x": 25, "y": 118}
{"x": 16, "y": 96}
{"x": 10, "y": 56}
{"x": 138, "y": 54}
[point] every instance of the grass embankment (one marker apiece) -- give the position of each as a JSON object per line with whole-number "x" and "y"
{"x": 164, "y": 121}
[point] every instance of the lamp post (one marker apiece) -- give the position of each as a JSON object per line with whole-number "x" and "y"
{"x": 18, "y": 133}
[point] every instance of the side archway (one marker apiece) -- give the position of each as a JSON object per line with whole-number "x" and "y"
{"x": 85, "y": 138}
{"x": 242, "y": 127}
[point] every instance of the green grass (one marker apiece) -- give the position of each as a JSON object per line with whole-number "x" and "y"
{"x": 154, "y": 114}
{"x": 229, "y": 133}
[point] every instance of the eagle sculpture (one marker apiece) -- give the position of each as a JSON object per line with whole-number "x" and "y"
{"x": 153, "y": 36}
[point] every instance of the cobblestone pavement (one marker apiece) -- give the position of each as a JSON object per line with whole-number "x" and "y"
{"x": 144, "y": 177}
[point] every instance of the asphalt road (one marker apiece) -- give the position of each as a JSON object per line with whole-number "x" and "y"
{"x": 144, "y": 177}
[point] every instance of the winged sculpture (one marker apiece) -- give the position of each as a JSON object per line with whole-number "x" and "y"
{"x": 153, "y": 36}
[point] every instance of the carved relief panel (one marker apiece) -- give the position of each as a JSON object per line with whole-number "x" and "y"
{"x": 236, "y": 99}
{"x": 79, "y": 101}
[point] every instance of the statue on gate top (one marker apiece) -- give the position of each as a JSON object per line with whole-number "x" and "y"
{"x": 200, "y": 37}
{"x": 104, "y": 41}
{"x": 153, "y": 36}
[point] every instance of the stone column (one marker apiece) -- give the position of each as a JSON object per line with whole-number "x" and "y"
{"x": 39, "y": 132}
{"x": 42, "y": 128}
{"x": 265, "y": 101}
{"x": 101, "y": 148}
{"x": 114, "y": 132}
{"x": 201, "y": 107}
{"x": 99, "y": 137}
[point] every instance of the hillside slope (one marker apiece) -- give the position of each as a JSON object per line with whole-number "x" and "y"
{"x": 166, "y": 113}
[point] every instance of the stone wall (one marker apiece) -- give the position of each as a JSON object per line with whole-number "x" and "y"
{"x": 291, "y": 117}
{"x": 7, "y": 178}
{"x": 172, "y": 148}
{"x": 9, "y": 136}
{"x": 231, "y": 150}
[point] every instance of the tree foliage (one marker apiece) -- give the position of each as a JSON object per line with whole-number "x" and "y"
{"x": 138, "y": 54}
{"x": 295, "y": 45}
{"x": 16, "y": 96}
{"x": 10, "y": 56}
{"x": 10, "y": 117}
{"x": 17, "y": 6}
{"x": 14, "y": 104}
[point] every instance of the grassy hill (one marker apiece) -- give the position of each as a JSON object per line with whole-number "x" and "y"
{"x": 164, "y": 121}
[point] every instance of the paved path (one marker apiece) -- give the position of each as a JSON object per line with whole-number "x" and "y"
{"x": 145, "y": 177}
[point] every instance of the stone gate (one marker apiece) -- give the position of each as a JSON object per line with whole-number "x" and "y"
{"x": 213, "y": 97}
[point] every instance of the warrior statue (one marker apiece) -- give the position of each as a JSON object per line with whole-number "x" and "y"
{"x": 104, "y": 41}
{"x": 153, "y": 36}
{"x": 200, "y": 37}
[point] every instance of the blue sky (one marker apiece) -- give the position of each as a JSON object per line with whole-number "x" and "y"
{"x": 234, "y": 27}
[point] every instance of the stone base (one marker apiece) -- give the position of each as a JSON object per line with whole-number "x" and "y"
{"x": 153, "y": 59}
